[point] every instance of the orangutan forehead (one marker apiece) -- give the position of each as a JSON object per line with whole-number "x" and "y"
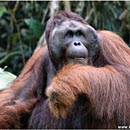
{"x": 72, "y": 23}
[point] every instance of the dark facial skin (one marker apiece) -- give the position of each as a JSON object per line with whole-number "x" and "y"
{"x": 73, "y": 42}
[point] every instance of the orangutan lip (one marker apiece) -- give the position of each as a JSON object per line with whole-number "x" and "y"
{"x": 79, "y": 58}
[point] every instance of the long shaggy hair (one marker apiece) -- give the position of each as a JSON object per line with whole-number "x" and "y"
{"x": 106, "y": 86}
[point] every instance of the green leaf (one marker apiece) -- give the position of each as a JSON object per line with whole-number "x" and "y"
{"x": 2, "y": 11}
{"x": 35, "y": 26}
{"x": 15, "y": 37}
{"x": 6, "y": 78}
{"x": 27, "y": 34}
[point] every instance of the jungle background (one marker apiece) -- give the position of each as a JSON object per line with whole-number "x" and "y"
{"x": 22, "y": 25}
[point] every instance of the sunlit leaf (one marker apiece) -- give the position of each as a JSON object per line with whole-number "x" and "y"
{"x": 6, "y": 79}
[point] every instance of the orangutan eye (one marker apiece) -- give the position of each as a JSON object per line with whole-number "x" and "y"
{"x": 69, "y": 34}
{"x": 79, "y": 33}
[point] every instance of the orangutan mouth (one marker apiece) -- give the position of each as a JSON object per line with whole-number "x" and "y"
{"x": 79, "y": 58}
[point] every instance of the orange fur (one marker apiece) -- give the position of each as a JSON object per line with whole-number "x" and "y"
{"x": 108, "y": 86}
{"x": 13, "y": 101}
{"x": 86, "y": 96}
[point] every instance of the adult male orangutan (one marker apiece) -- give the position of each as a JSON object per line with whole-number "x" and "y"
{"x": 81, "y": 79}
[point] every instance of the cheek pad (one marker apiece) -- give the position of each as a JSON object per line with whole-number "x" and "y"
{"x": 56, "y": 43}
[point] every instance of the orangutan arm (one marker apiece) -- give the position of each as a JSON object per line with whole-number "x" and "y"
{"x": 100, "y": 85}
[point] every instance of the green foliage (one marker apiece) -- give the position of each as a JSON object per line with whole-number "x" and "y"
{"x": 23, "y": 23}
{"x": 2, "y": 11}
{"x": 6, "y": 79}
{"x": 21, "y": 28}
{"x": 107, "y": 15}
{"x": 35, "y": 28}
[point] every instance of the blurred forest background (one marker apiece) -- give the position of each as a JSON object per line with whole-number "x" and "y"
{"x": 22, "y": 25}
